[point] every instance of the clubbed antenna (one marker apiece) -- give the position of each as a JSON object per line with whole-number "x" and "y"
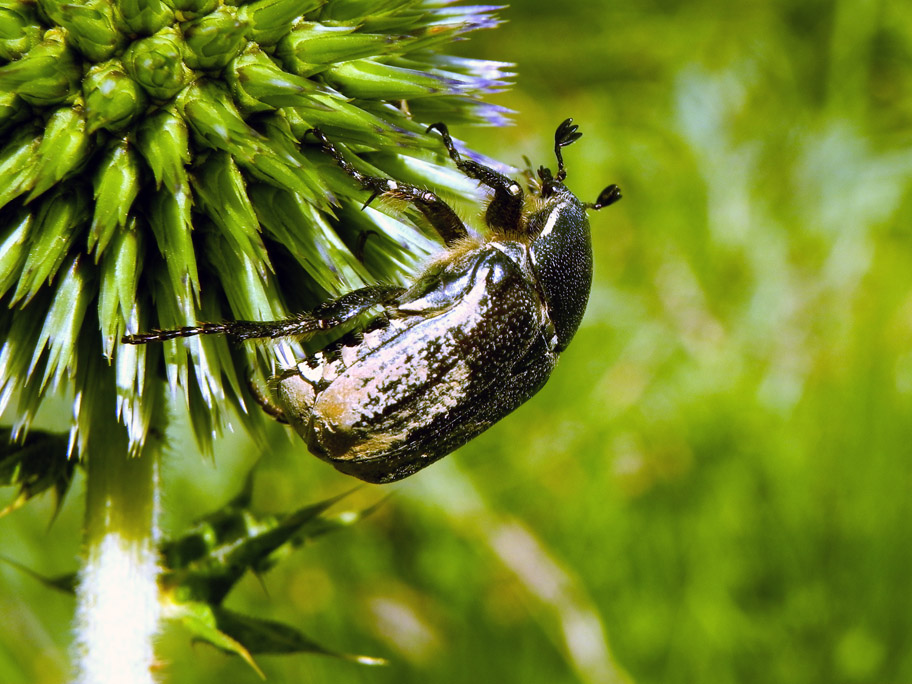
{"x": 565, "y": 134}
{"x": 606, "y": 198}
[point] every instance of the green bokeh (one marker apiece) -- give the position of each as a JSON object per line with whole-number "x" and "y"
{"x": 715, "y": 484}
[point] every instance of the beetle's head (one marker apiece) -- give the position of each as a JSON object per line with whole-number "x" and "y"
{"x": 561, "y": 245}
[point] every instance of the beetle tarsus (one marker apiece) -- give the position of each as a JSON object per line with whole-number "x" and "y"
{"x": 157, "y": 335}
{"x": 327, "y": 316}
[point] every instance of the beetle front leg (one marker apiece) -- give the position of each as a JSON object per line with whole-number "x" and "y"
{"x": 328, "y": 315}
{"x": 440, "y": 215}
{"x": 504, "y": 213}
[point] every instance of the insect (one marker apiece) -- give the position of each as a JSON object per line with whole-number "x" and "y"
{"x": 475, "y": 335}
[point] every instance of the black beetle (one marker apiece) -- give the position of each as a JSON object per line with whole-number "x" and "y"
{"x": 474, "y": 336}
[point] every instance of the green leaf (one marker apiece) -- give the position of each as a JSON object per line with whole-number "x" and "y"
{"x": 171, "y": 223}
{"x": 310, "y": 47}
{"x": 201, "y": 621}
{"x": 58, "y": 220}
{"x": 36, "y": 463}
{"x": 19, "y": 163}
{"x": 342, "y": 120}
{"x": 163, "y": 140}
{"x": 18, "y": 225}
{"x": 318, "y": 249}
{"x": 15, "y": 354}
{"x": 65, "y": 146}
{"x": 156, "y": 63}
{"x": 249, "y": 288}
{"x": 268, "y": 20}
{"x": 268, "y": 636}
{"x": 120, "y": 272}
{"x": 62, "y": 324}
{"x": 117, "y": 184}
{"x": 257, "y": 80}
{"x": 13, "y": 110}
{"x": 65, "y": 583}
{"x": 91, "y": 26}
{"x": 192, "y": 8}
{"x": 218, "y": 124}
{"x": 20, "y": 29}
{"x": 145, "y": 16}
{"x": 370, "y": 80}
{"x": 113, "y": 100}
{"x": 140, "y": 392}
{"x": 215, "y": 39}
{"x": 221, "y": 193}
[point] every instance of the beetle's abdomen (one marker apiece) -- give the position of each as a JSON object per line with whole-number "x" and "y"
{"x": 405, "y": 392}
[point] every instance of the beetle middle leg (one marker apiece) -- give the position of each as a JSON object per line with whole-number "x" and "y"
{"x": 440, "y": 215}
{"x": 326, "y": 316}
{"x": 504, "y": 213}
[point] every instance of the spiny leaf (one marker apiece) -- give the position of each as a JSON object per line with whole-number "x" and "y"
{"x": 120, "y": 273}
{"x": 18, "y": 225}
{"x": 63, "y": 322}
{"x": 157, "y": 64}
{"x": 163, "y": 140}
{"x": 206, "y": 562}
{"x": 145, "y": 16}
{"x": 46, "y": 75}
{"x": 200, "y": 620}
{"x": 19, "y": 163}
{"x": 65, "y": 146}
{"x": 310, "y": 47}
{"x": 20, "y": 29}
{"x": 117, "y": 184}
{"x": 36, "y": 463}
{"x": 268, "y": 636}
{"x": 214, "y": 39}
{"x": 169, "y": 218}
{"x": 113, "y": 100}
{"x": 221, "y": 192}
{"x": 56, "y": 226}
{"x": 370, "y": 80}
{"x": 65, "y": 583}
{"x": 268, "y": 20}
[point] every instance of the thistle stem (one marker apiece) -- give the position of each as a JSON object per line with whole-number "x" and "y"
{"x": 118, "y": 608}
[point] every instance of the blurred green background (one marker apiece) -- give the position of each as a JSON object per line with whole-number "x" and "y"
{"x": 715, "y": 484}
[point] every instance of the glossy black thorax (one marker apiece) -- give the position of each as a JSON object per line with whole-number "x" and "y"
{"x": 561, "y": 254}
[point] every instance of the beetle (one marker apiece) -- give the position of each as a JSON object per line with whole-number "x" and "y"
{"x": 476, "y": 334}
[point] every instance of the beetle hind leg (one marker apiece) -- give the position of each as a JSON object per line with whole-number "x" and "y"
{"x": 438, "y": 213}
{"x": 326, "y": 316}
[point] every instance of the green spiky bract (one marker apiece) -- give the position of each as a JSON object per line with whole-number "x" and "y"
{"x": 154, "y": 173}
